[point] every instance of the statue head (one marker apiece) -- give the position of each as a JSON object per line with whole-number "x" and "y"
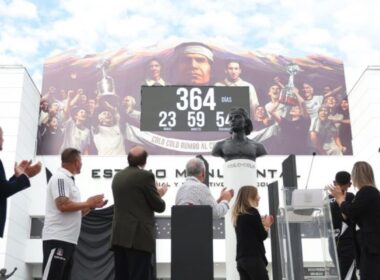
{"x": 239, "y": 120}
{"x": 3, "y": 271}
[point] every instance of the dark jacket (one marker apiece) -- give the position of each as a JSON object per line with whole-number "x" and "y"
{"x": 135, "y": 201}
{"x": 344, "y": 240}
{"x": 364, "y": 210}
{"x": 7, "y": 189}
{"x": 250, "y": 236}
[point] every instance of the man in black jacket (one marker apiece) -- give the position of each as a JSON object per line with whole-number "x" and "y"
{"x": 18, "y": 182}
{"x": 344, "y": 229}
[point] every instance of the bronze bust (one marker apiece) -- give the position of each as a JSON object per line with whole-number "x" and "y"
{"x": 239, "y": 146}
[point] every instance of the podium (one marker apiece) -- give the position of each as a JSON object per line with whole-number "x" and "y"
{"x": 192, "y": 243}
{"x": 309, "y": 210}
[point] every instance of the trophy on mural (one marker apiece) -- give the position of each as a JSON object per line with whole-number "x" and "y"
{"x": 287, "y": 96}
{"x": 106, "y": 85}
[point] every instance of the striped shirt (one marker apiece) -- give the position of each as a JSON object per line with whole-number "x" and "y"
{"x": 63, "y": 226}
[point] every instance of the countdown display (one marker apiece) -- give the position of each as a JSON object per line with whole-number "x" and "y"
{"x": 189, "y": 108}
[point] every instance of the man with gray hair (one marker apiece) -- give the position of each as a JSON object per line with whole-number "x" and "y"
{"x": 195, "y": 192}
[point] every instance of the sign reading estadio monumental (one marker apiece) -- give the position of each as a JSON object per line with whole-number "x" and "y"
{"x": 100, "y": 103}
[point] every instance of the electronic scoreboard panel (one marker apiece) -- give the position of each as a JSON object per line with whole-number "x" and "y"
{"x": 190, "y": 108}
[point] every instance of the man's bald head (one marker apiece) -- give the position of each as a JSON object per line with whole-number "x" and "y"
{"x": 137, "y": 156}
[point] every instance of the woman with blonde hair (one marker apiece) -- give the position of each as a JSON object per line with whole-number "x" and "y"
{"x": 251, "y": 231}
{"x": 364, "y": 210}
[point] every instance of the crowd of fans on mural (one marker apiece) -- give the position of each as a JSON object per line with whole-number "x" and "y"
{"x": 71, "y": 119}
{"x": 317, "y": 122}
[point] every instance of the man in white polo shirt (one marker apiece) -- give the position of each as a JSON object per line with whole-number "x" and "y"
{"x": 63, "y": 217}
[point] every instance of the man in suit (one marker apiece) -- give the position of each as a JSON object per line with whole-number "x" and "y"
{"x": 18, "y": 182}
{"x": 136, "y": 198}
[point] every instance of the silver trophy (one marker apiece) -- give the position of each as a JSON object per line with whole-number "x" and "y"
{"x": 106, "y": 85}
{"x": 287, "y": 96}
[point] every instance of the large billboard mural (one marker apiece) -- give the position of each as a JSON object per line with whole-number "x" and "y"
{"x": 93, "y": 102}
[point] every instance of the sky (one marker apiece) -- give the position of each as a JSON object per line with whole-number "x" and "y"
{"x": 31, "y": 31}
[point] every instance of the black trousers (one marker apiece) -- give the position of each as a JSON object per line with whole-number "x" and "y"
{"x": 369, "y": 265}
{"x": 58, "y": 259}
{"x": 252, "y": 268}
{"x": 345, "y": 264}
{"x": 132, "y": 264}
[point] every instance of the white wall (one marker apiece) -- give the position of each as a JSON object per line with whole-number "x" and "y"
{"x": 19, "y": 107}
{"x": 364, "y": 100}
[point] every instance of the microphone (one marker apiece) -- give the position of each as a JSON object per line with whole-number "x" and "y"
{"x": 311, "y": 167}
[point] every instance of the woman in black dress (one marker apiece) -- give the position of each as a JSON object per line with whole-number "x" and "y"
{"x": 251, "y": 231}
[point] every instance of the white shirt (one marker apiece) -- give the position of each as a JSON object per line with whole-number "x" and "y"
{"x": 313, "y": 105}
{"x": 136, "y": 115}
{"x": 63, "y": 226}
{"x": 280, "y": 110}
{"x": 109, "y": 141}
{"x": 150, "y": 82}
{"x": 75, "y": 137}
{"x": 44, "y": 117}
{"x": 241, "y": 83}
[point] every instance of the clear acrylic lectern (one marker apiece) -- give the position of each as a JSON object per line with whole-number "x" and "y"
{"x": 307, "y": 213}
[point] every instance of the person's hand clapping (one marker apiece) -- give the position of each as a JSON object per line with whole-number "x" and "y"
{"x": 268, "y": 220}
{"x": 96, "y": 201}
{"x": 162, "y": 189}
{"x": 21, "y": 167}
{"x": 337, "y": 192}
{"x": 226, "y": 195}
{"x": 33, "y": 169}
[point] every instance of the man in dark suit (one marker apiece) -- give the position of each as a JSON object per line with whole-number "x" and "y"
{"x": 136, "y": 198}
{"x": 18, "y": 182}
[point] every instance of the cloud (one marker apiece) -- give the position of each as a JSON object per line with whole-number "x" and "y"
{"x": 344, "y": 29}
{"x": 18, "y": 9}
{"x": 12, "y": 41}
